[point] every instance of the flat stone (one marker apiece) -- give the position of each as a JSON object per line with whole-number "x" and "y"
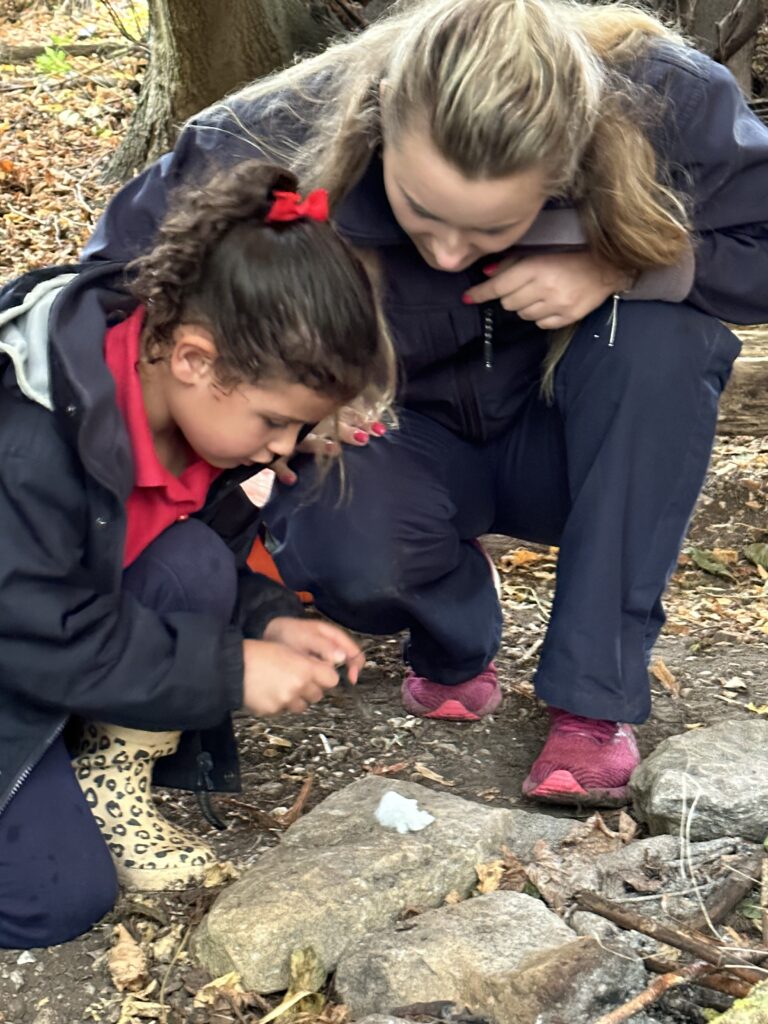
{"x": 338, "y": 875}
{"x": 503, "y": 955}
{"x": 718, "y": 776}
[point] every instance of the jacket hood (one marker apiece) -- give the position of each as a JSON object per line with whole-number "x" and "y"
{"x": 24, "y": 338}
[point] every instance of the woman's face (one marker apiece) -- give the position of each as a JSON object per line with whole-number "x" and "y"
{"x": 452, "y": 220}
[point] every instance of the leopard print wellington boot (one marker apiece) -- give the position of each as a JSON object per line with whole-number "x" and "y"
{"x": 114, "y": 768}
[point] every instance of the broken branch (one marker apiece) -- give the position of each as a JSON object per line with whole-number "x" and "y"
{"x": 698, "y": 945}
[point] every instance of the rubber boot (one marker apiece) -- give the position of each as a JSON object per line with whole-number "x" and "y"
{"x": 114, "y": 768}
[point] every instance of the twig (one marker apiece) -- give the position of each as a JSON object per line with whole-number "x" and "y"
{"x": 166, "y": 976}
{"x": 733, "y": 890}
{"x": 764, "y": 899}
{"x": 716, "y": 980}
{"x": 295, "y": 810}
{"x": 651, "y": 994}
{"x": 701, "y": 947}
{"x": 346, "y": 12}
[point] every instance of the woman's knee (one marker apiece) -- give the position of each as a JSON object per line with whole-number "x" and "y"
{"x": 652, "y": 348}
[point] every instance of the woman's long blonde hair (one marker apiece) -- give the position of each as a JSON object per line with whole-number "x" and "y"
{"x": 504, "y": 85}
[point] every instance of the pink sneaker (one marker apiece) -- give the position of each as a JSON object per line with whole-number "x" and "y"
{"x": 585, "y": 761}
{"x": 465, "y": 702}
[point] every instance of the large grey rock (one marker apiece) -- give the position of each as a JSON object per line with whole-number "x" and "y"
{"x": 503, "y": 955}
{"x": 338, "y": 875}
{"x": 717, "y": 777}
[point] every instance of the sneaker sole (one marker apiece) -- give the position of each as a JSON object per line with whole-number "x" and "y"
{"x": 562, "y": 788}
{"x": 452, "y": 711}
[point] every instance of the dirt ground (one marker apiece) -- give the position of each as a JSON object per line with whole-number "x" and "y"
{"x": 709, "y": 665}
{"x": 713, "y": 649}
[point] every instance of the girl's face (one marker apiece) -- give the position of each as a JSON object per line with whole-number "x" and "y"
{"x": 250, "y": 423}
{"x": 452, "y": 220}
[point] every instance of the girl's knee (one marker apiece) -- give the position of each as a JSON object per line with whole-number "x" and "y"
{"x": 59, "y": 902}
{"x": 188, "y": 568}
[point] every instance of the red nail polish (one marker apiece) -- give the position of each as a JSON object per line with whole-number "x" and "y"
{"x": 360, "y": 436}
{"x": 378, "y": 429}
{"x": 467, "y": 299}
{"x": 491, "y": 268}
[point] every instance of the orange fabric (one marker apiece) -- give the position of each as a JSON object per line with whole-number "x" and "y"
{"x": 260, "y": 560}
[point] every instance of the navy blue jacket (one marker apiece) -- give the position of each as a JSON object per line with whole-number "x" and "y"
{"x": 715, "y": 147}
{"x": 72, "y": 642}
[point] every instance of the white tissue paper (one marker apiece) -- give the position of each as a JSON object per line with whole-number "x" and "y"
{"x": 395, "y": 811}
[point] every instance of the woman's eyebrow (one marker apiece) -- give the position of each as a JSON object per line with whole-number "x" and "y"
{"x": 422, "y": 212}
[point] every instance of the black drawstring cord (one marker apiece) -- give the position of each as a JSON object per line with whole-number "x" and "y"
{"x": 203, "y": 787}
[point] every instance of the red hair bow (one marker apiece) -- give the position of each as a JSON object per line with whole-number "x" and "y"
{"x": 290, "y": 206}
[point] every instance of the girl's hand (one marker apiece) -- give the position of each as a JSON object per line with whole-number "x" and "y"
{"x": 356, "y": 427}
{"x": 277, "y": 678}
{"x": 318, "y": 639}
{"x": 552, "y": 289}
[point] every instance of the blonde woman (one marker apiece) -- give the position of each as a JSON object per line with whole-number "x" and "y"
{"x": 562, "y": 199}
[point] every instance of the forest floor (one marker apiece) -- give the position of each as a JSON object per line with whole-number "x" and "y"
{"x": 60, "y": 118}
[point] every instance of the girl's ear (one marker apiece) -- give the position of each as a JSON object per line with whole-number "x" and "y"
{"x": 193, "y": 354}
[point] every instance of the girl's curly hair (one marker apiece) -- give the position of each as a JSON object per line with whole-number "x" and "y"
{"x": 287, "y": 301}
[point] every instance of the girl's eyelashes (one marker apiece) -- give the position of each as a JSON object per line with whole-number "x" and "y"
{"x": 273, "y": 424}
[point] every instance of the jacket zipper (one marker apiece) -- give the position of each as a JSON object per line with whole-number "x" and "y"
{"x": 488, "y": 337}
{"x": 31, "y": 765}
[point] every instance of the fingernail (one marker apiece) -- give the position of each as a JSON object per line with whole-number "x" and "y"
{"x": 491, "y": 268}
{"x": 378, "y": 429}
{"x": 290, "y": 479}
{"x": 360, "y": 436}
{"x": 467, "y": 299}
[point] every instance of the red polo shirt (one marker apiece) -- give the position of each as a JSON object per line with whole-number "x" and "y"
{"x": 158, "y": 498}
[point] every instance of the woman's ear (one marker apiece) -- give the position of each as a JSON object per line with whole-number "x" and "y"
{"x": 193, "y": 354}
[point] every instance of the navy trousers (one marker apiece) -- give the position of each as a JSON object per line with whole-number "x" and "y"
{"x": 609, "y": 471}
{"x": 56, "y": 874}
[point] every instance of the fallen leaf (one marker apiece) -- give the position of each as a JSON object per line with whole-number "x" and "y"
{"x": 144, "y": 1010}
{"x": 660, "y": 672}
{"x": 227, "y": 987}
{"x": 427, "y": 773}
{"x": 521, "y": 556}
{"x": 757, "y": 554}
{"x": 388, "y": 769}
{"x": 219, "y": 873}
{"x": 489, "y": 876}
{"x": 757, "y": 709}
{"x": 726, "y": 555}
{"x": 278, "y": 741}
{"x": 453, "y": 897}
{"x": 707, "y": 561}
{"x": 127, "y": 962}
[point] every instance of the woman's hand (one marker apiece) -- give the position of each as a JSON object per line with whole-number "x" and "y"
{"x": 356, "y": 427}
{"x": 317, "y": 639}
{"x": 551, "y": 289}
{"x": 278, "y": 678}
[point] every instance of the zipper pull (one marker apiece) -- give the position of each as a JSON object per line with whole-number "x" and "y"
{"x": 488, "y": 337}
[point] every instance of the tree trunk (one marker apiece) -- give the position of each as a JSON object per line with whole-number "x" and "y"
{"x": 200, "y": 52}
{"x": 724, "y": 29}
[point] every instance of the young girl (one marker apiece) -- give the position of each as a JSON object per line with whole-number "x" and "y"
{"x": 529, "y": 173}
{"x": 119, "y": 602}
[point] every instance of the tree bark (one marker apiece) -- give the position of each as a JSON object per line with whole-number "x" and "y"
{"x": 723, "y": 29}
{"x": 200, "y": 51}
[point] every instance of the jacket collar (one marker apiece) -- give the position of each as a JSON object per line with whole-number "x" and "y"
{"x": 365, "y": 218}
